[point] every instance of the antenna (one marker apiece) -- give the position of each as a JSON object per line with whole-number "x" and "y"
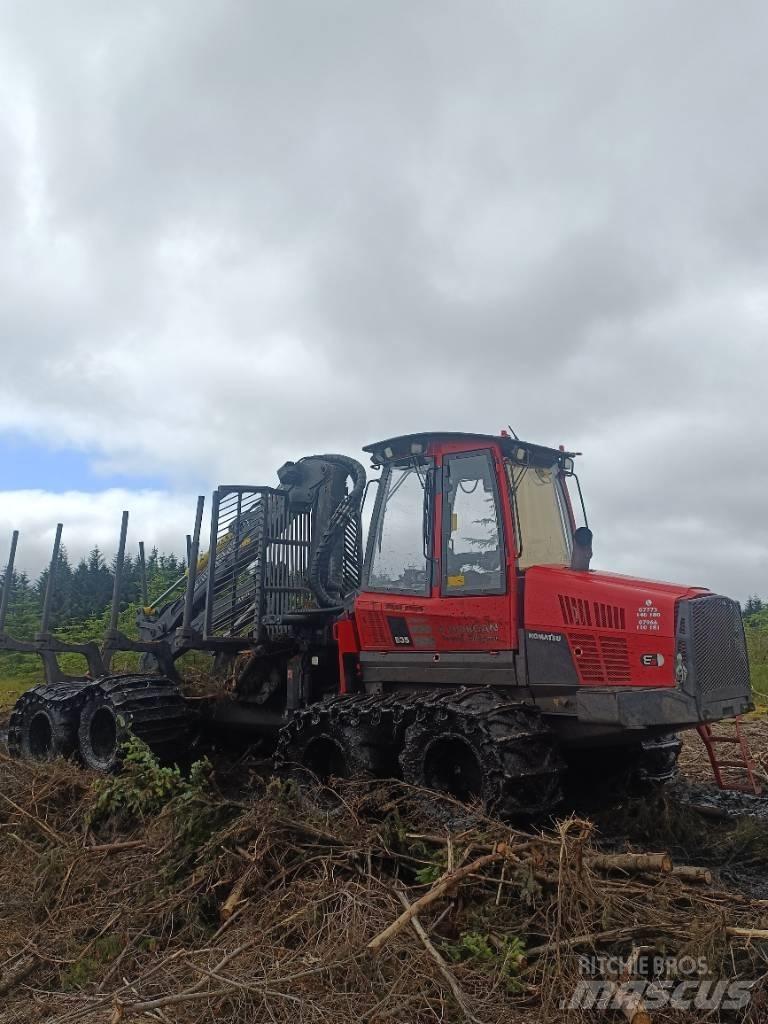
{"x": 8, "y": 581}
{"x": 512, "y": 433}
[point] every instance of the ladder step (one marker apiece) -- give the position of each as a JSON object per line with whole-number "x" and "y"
{"x": 746, "y": 765}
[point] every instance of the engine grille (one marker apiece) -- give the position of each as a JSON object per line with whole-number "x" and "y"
{"x": 600, "y": 659}
{"x": 576, "y": 611}
{"x": 710, "y": 641}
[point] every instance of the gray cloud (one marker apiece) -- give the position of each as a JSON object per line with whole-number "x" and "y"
{"x": 238, "y": 233}
{"x": 159, "y": 519}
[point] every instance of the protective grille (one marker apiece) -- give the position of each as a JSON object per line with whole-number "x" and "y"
{"x": 353, "y": 556}
{"x": 587, "y": 656}
{"x": 710, "y": 635}
{"x": 373, "y": 627}
{"x": 609, "y": 616}
{"x": 600, "y": 659}
{"x": 260, "y": 561}
{"x": 615, "y": 659}
{"x": 575, "y": 610}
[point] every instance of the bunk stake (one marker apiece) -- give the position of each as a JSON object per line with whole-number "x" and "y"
{"x": 192, "y": 571}
{"x": 211, "y": 581}
{"x": 8, "y": 581}
{"x": 45, "y": 620}
{"x": 119, "y": 563}
{"x": 143, "y": 564}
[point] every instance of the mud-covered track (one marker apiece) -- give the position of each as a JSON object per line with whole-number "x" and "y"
{"x": 151, "y": 708}
{"x": 44, "y": 720}
{"x": 472, "y": 743}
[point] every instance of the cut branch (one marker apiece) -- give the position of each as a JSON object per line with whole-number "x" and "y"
{"x": 453, "y": 984}
{"x": 443, "y": 886}
{"x": 20, "y": 970}
{"x": 592, "y": 938}
{"x": 631, "y": 862}
{"x": 689, "y": 873}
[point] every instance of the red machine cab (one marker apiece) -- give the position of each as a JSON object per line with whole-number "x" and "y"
{"x": 471, "y": 577}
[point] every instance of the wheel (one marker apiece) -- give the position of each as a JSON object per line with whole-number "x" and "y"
{"x": 656, "y": 760}
{"x": 344, "y": 737}
{"x": 317, "y": 748}
{"x": 118, "y": 707}
{"x": 44, "y": 721}
{"x": 475, "y": 746}
{"x": 603, "y": 774}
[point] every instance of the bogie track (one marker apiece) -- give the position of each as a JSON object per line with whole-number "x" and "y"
{"x": 477, "y": 745}
{"x": 43, "y": 723}
{"x": 656, "y": 761}
{"x": 471, "y": 743}
{"x": 341, "y": 737}
{"x": 151, "y": 708}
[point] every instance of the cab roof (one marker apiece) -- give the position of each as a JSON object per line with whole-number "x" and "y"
{"x": 395, "y": 448}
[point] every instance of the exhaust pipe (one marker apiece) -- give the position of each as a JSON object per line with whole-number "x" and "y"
{"x": 582, "y": 549}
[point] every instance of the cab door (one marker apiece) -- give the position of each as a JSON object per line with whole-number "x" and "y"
{"x": 437, "y": 605}
{"x": 471, "y": 608}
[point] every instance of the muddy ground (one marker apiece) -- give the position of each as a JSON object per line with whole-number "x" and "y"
{"x": 232, "y": 897}
{"x": 700, "y": 822}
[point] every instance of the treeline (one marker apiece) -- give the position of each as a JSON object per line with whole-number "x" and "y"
{"x": 755, "y": 615}
{"x": 85, "y": 591}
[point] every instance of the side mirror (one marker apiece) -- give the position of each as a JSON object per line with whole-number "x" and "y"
{"x": 582, "y": 549}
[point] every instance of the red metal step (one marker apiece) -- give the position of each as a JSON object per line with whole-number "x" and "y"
{"x": 746, "y": 765}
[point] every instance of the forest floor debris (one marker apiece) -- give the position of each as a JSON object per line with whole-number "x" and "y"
{"x": 153, "y": 896}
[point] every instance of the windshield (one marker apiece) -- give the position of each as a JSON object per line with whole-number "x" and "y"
{"x": 396, "y": 557}
{"x": 542, "y": 523}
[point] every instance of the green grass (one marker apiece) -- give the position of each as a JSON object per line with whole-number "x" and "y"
{"x": 757, "y": 645}
{"x": 759, "y": 674}
{"x": 27, "y": 671}
{"x": 10, "y": 689}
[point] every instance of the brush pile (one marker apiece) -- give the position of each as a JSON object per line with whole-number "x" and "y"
{"x": 154, "y": 897}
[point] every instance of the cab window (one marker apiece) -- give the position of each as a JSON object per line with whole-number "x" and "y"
{"x": 541, "y": 515}
{"x": 473, "y": 552}
{"x": 397, "y": 556}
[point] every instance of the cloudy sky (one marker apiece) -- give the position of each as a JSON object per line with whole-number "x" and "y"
{"x": 233, "y": 233}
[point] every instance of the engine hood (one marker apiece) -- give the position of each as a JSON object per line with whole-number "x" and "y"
{"x": 598, "y": 578}
{"x": 603, "y": 600}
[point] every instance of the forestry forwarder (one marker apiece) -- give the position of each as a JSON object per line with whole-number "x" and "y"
{"x": 472, "y": 650}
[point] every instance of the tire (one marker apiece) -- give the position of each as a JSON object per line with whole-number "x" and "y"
{"x": 344, "y": 737}
{"x": 118, "y": 707}
{"x": 475, "y": 746}
{"x": 44, "y": 721}
{"x": 604, "y": 774}
{"x": 657, "y": 759}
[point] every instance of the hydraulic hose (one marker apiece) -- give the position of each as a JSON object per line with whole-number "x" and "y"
{"x": 347, "y": 512}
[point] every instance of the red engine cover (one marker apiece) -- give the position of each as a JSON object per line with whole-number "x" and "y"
{"x": 621, "y": 630}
